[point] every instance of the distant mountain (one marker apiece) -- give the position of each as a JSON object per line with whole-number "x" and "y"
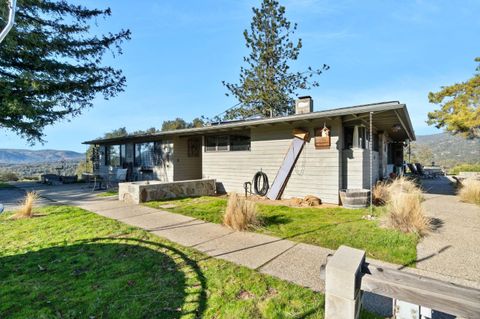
{"x": 447, "y": 149}
{"x": 19, "y": 156}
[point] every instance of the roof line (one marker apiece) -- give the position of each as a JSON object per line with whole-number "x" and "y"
{"x": 390, "y": 105}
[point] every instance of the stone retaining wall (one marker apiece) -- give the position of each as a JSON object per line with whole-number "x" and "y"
{"x": 140, "y": 192}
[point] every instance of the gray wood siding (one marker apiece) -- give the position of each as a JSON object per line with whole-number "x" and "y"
{"x": 184, "y": 167}
{"x": 317, "y": 172}
{"x": 356, "y": 167}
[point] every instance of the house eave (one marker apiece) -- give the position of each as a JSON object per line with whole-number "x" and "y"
{"x": 327, "y": 114}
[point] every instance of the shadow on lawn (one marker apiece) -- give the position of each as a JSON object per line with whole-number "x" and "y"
{"x": 275, "y": 220}
{"x": 104, "y": 277}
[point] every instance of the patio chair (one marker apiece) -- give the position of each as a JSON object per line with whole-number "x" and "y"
{"x": 100, "y": 179}
{"x": 119, "y": 176}
{"x": 413, "y": 169}
{"x": 421, "y": 171}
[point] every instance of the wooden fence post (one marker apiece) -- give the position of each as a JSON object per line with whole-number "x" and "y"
{"x": 342, "y": 284}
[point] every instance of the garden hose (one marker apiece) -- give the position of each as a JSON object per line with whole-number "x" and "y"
{"x": 260, "y": 177}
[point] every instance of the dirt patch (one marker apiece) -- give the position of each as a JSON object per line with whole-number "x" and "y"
{"x": 308, "y": 201}
{"x": 167, "y": 206}
{"x": 245, "y": 295}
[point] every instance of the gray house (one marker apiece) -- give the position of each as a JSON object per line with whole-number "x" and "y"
{"x": 335, "y": 156}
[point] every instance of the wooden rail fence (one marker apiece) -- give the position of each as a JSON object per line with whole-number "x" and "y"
{"x": 348, "y": 275}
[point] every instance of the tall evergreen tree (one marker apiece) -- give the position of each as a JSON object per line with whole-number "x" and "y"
{"x": 267, "y": 85}
{"x": 51, "y": 65}
{"x": 459, "y": 107}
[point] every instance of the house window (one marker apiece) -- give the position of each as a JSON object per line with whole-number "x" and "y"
{"x": 355, "y": 137}
{"x": 194, "y": 145}
{"x": 375, "y": 142}
{"x": 123, "y": 154}
{"x": 161, "y": 153}
{"x": 222, "y": 143}
{"x": 233, "y": 142}
{"x": 144, "y": 154}
{"x": 240, "y": 142}
{"x": 112, "y": 155}
{"x": 362, "y": 137}
{"x": 348, "y": 137}
{"x": 210, "y": 143}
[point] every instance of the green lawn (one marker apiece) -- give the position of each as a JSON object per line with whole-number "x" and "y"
{"x": 108, "y": 193}
{"x": 5, "y": 185}
{"x": 69, "y": 263}
{"x": 326, "y": 227}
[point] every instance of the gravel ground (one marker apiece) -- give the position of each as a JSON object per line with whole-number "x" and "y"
{"x": 454, "y": 248}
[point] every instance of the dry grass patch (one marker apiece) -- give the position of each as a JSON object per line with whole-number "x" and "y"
{"x": 406, "y": 214}
{"x": 380, "y": 193}
{"x": 403, "y": 200}
{"x": 240, "y": 214}
{"x": 470, "y": 191}
{"x": 26, "y": 210}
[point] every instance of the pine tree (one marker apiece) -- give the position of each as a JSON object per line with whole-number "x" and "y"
{"x": 51, "y": 65}
{"x": 267, "y": 85}
{"x": 459, "y": 107}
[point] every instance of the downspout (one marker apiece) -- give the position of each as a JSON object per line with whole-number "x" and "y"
{"x": 371, "y": 162}
{"x": 11, "y": 19}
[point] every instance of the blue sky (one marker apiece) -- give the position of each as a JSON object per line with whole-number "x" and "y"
{"x": 181, "y": 51}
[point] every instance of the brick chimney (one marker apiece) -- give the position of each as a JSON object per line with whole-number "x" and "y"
{"x": 303, "y": 105}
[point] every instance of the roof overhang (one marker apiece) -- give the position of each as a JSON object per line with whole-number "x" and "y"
{"x": 385, "y": 115}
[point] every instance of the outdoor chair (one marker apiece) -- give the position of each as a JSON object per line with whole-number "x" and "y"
{"x": 413, "y": 169}
{"x": 119, "y": 176}
{"x": 421, "y": 171}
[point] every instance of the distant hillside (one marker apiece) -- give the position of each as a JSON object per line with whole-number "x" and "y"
{"x": 446, "y": 149}
{"x": 19, "y": 156}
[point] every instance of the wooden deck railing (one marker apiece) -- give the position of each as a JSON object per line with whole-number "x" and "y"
{"x": 348, "y": 275}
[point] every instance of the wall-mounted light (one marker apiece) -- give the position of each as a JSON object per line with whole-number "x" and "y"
{"x": 396, "y": 128}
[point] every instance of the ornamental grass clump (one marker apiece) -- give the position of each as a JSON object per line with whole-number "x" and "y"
{"x": 240, "y": 214}
{"x": 26, "y": 210}
{"x": 470, "y": 191}
{"x": 406, "y": 214}
{"x": 403, "y": 200}
{"x": 380, "y": 193}
{"x": 384, "y": 190}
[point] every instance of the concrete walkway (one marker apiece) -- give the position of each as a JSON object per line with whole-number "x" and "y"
{"x": 454, "y": 248}
{"x": 295, "y": 262}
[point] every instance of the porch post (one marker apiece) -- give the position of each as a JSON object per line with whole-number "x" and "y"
{"x": 355, "y": 143}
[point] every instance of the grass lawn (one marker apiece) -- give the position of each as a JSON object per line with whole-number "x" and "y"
{"x": 326, "y": 227}
{"x": 69, "y": 263}
{"x": 5, "y": 185}
{"x": 108, "y": 194}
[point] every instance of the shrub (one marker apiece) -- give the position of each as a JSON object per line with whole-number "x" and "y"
{"x": 8, "y": 177}
{"x": 465, "y": 168}
{"x": 240, "y": 214}
{"x": 26, "y": 210}
{"x": 470, "y": 191}
{"x": 31, "y": 178}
